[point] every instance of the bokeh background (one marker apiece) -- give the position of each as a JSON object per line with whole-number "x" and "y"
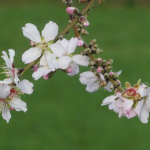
{"x": 61, "y": 114}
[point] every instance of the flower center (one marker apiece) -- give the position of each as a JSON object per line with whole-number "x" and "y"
{"x": 131, "y": 92}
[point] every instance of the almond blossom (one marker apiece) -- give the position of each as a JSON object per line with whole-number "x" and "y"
{"x": 70, "y": 61}
{"x": 9, "y": 70}
{"x": 41, "y": 43}
{"x": 10, "y": 97}
{"x": 134, "y": 101}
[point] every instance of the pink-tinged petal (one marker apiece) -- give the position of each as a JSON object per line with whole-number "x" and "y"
{"x": 18, "y": 105}
{"x": 88, "y": 77}
{"x": 130, "y": 114}
{"x": 75, "y": 69}
{"x": 65, "y": 44}
{"x": 80, "y": 42}
{"x": 119, "y": 103}
{"x": 92, "y": 87}
{"x": 26, "y": 86}
{"x": 127, "y": 105}
{"x": 31, "y": 55}
{"x": 50, "y": 31}
{"x": 112, "y": 105}
{"x": 40, "y": 72}
{"x": 4, "y": 91}
{"x": 108, "y": 100}
{"x": 81, "y": 60}
{"x": 63, "y": 62}
{"x": 73, "y": 42}
{"x": 6, "y": 114}
{"x": 71, "y": 10}
{"x": 57, "y": 49}
{"x": 11, "y": 54}
{"x": 30, "y": 31}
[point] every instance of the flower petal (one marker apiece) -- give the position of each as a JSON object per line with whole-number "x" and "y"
{"x": 92, "y": 87}
{"x": 6, "y": 114}
{"x": 30, "y": 31}
{"x": 65, "y": 44}
{"x": 108, "y": 100}
{"x": 81, "y": 60}
{"x": 63, "y": 62}
{"x": 4, "y": 91}
{"x": 57, "y": 49}
{"x": 7, "y": 60}
{"x": 11, "y": 54}
{"x": 75, "y": 69}
{"x": 18, "y": 104}
{"x": 72, "y": 45}
{"x": 31, "y": 55}
{"x": 26, "y": 86}
{"x": 50, "y": 31}
{"x": 40, "y": 72}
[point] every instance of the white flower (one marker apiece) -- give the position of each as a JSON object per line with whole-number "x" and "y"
{"x": 10, "y": 97}
{"x": 48, "y": 63}
{"x": 43, "y": 43}
{"x": 91, "y": 80}
{"x": 69, "y": 60}
{"x": 143, "y": 106}
{"x": 9, "y": 69}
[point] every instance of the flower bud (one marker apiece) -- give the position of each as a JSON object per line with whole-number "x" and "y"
{"x": 88, "y": 51}
{"x": 83, "y": 1}
{"x": 99, "y": 51}
{"x": 104, "y": 62}
{"x": 112, "y": 75}
{"x": 94, "y": 47}
{"x": 100, "y": 69}
{"x": 109, "y": 62}
{"x": 72, "y": 10}
{"x": 108, "y": 68}
{"x": 93, "y": 42}
{"x": 80, "y": 42}
{"x": 35, "y": 67}
{"x": 103, "y": 83}
{"x": 92, "y": 68}
{"x": 64, "y": 2}
{"x": 84, "y": 32}
{"x": 91, "y": 63}
{"x": 46, "y": 77}
{"x": 98, "y": 60}
{"x": 84, "y": 21}
{"x": 106, "y": 76}
{"x": 118, "y": 82}
{"x": 69, "y": 70}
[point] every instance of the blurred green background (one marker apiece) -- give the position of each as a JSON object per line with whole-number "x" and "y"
{"x": 61, "y": 114}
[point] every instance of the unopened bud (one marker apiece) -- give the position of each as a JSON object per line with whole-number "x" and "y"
{"x": 88, "y": 51}
{"x": 94, "y": 47}
{"x": 69, "y": 70}
{"x": 83, "y": 52}
{"x": 118, "y": 82}
{"x": 92, "y": 68}
{"x": 46, "y": 77}
{"x": 84, "y": 32}
{"x": 60, "y": 36}
{"x": 83, "y": 1}
{"x": 35, "y": 67}
{"x": 72, "y": 10}
{"x": 100, "y": 69}
{"x": 98, "y": 60}
{"x": 104, "y": 62}
{"x": 99, "y": 51}
{"x": 93, "y": 42}
{"x": 108, "y": 68}
{"x": 112, "y": 75}
{"x": 79, "y": 25}
{"x": 91, "y": 63}
{"x": 70, "y": 21}
{"x": 106, "y": 76}
{"x": 84, "y": 21}
{"x": 80, "y": 42}
{"x": 64, "y": 2}
{"x": 103, "y": 83}
{"x": 109, "y": 62}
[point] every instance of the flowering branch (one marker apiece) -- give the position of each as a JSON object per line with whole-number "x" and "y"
{"x": 51, "y": 52}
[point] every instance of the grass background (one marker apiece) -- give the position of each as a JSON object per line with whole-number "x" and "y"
{"x": 61, "y": 114}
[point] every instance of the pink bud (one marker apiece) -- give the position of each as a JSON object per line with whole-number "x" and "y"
{"x": 84, "y": 21}
{"x": 80, "y": 42}
{"x": 99, "y": 69}
{"x": 46, "y": 77}
{"x": 69, "y": 70}
{"x": 99, "y": 59}
{"x": 11, "y": 108}
{"x": 71, "y": 10}
{"x": 35, "y": 68}
{"x": 111, "y": 73}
